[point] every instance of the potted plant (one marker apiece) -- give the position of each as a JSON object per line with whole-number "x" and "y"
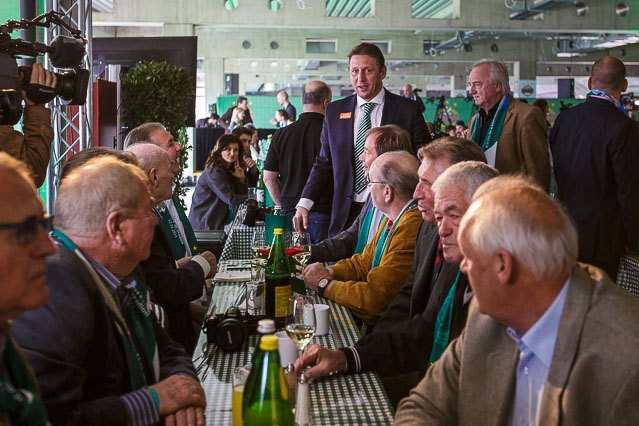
{"x": 159, "y": 92}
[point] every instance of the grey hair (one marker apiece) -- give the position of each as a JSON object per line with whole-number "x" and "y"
{"x": 150, "y": 156}
{"x": 142, "y": 133}
{"x": 498, "y": 74}
{"x": 399, "y": 170}
{"x": 90, "y": 193}
{"x": 528, "y": 224}
{"x": 469, "y": 174}
{"x": 505, "y": 182}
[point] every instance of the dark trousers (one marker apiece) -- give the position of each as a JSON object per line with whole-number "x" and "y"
{"x": 318, "y": 224}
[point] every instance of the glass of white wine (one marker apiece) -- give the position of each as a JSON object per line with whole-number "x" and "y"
{"x": 259, "y": 245}
{"x": 301, "y": 322}
{"x": 302, "y": 241}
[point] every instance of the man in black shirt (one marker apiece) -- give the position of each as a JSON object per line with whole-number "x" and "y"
{"x": 291, "y": 155}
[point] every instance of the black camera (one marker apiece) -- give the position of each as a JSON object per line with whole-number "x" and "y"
{"x": 255, "y": 213}
{"x": 230, "y": 330}
{"x": 63, "y": 52}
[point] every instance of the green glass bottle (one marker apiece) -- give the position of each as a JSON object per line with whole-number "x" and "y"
{"x": 266, "y": 402}
{"x": 277, "y": 288}
{"x": 260, "y": 190}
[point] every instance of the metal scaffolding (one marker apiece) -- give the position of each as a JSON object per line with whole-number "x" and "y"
{"x": 72, "y": 125}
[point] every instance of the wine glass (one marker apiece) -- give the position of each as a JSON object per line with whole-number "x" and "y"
{"x": 300, "y": 321}
{"x": 302, "y": 241}
{"x": 258, "y": 243}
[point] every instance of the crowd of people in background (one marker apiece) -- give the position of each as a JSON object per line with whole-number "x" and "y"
{"x": 481, "y": 298}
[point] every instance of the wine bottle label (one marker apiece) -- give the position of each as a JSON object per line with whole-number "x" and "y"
{"x": 282, "y": 293}
{"x": 260, "y": 195}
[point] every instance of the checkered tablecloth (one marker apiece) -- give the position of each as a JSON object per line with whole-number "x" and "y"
{"x": 336, "y": 400}
{"x": 238, "y": 243}
{"x": 628, "y": 274}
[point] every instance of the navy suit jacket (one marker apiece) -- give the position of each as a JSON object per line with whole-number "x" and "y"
{"x": 336, "y": 155}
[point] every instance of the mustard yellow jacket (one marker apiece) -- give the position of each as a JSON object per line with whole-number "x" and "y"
{"x": 367, "y": 292}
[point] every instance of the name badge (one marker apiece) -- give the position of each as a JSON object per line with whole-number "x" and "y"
{"x": 345, "y": 116}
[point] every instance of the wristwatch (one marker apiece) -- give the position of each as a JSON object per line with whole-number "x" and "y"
{"x": 321, "y": 285}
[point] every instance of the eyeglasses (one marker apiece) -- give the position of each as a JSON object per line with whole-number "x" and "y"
{"x": 27, "y": 230}
{"x": 370, "y": 182}
{"x": 476, "y": 84}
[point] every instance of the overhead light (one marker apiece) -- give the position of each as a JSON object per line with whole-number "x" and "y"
{"x": 231, "y": 4}
{"x": 568, "y": 54}
{"x": 274, "y": 5}
{"x": 581, "y": 8}
{"x": 246, "y": 44}
{"x": 622, "y": 9}
{"x": 253, "y": 64}
{"x": 274, "y": 64}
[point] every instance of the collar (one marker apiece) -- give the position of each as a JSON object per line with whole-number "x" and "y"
{"x": 378, "y": 100}
{"x": 491, "y": 112}
{"x": 541, "y": 337}
{"x": 111, "y": 279}
{"x": 409, "y": 205}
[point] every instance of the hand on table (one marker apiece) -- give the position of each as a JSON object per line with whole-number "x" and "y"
{"x": 315, "y": 272}
{"x": 323, "y": 360}
{"x": 179, "y": 392}
{"x": 210, "y": 258}
{"x": 186, "y": 417}
{"x": 300, "y": 220}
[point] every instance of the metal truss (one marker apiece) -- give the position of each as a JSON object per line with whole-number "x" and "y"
{"x": 72, "y": 125}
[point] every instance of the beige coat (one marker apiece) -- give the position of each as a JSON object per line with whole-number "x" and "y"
{"x": 593, "y": 378}
{"x": 522, "y": 145}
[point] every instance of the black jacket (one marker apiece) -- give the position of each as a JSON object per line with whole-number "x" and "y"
{"x": 595, "y": 150}
{"x": 74, "y": 350}
{"x": 173, "y": 288}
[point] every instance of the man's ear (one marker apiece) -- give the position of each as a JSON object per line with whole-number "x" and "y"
{"x": 625, "y": 86}
{"x": 153, "y": 177}
{"x": 113, "y": 222}
{"x": 389, "y": 195}
{"x": 504, "y": 267}
{"x": 589, "y": 83}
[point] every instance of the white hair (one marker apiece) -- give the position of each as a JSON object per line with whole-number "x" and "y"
{"x": 469, "y": 174}
{"x": 90, "y": 193}
{"x": 526, "y": 223}
{"x": 150, "y": 156}
{"x": 505, "y": 182}
{"x": 498, "y": 74}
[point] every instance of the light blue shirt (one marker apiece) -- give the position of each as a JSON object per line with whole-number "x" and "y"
{"x": 536, "y": 348}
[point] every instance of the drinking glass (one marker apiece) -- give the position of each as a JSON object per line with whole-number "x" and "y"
{"x": 300, "y": 321}
{"x": 238, "y": 380}
{"x": 302, "y": 241}
{"x": 259, "y": 243}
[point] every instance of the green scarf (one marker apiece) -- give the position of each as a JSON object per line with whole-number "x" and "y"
{"x": 19, "y": 398}
{"x": 443, "y": 324}
{"x": 172, "y": 231}
{"x": 364, "y": 230}
{"x": 495, "y": 127}
{"x": 133, "y": 324}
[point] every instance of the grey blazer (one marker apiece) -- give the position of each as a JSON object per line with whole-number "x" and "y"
{"x": 593, "y": 378}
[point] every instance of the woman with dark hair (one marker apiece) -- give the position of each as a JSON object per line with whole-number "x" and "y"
{"x": 222, "y": 186}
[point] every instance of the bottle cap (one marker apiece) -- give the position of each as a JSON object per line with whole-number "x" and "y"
{"x": 268, "y": 343}
{"x": 278, "y": 231}
{"x": 266, "y": 326}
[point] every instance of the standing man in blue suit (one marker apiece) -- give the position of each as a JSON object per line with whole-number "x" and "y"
{"x": 343, "y": 137}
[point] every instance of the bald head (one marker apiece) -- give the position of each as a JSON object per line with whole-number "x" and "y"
{"x": 399, "y": 170}
{"x": 608, "y": 74}
{"x": 316, "y": 97}
{"x": 155, "y": 162}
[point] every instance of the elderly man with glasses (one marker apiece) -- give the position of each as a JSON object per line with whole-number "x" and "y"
{"x": 23, "y": 249}
{"x": 368, "y": 281}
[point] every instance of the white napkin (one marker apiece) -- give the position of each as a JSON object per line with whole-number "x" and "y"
{"x": 232, "y": 276}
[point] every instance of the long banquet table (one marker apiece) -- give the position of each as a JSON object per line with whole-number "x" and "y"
{"x": 335, "y": 400}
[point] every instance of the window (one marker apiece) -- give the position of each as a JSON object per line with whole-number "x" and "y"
{"x": 321, "y": 46}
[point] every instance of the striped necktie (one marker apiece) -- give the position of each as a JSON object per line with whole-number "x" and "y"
{"x": 364, "y": 126}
